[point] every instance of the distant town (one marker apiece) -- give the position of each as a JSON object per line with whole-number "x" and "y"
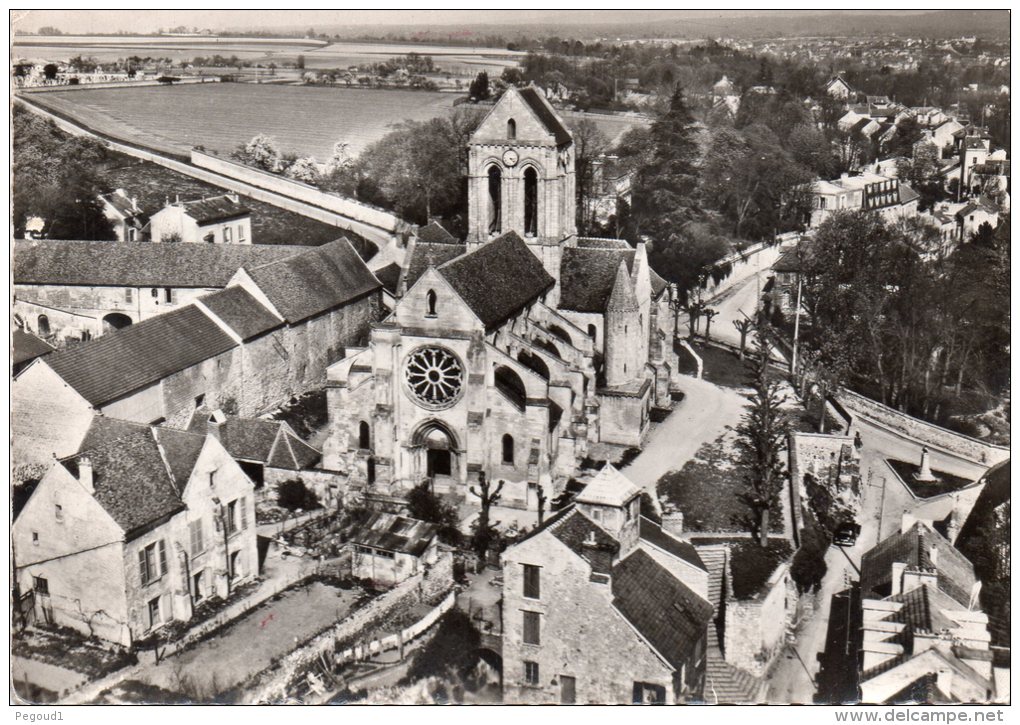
{"x": 613, "y": 367}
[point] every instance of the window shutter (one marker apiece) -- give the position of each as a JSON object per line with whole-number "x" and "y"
{"x": 162, "y": 557}
{"x": 143, "y": 569}
{"x": 244, "y": 512}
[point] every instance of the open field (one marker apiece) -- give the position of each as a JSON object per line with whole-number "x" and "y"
{"x": 306, "y": 120}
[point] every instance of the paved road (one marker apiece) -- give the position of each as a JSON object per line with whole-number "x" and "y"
{"x": 701, "y": 417}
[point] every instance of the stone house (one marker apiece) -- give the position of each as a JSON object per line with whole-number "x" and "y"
{"x": 600, "y": 605}
{"x": 129, "y": 221}
{"x": 132, "y": 533}
{"x": 507, "y": 353}
{"x": 837, "y": 87}
{"x": 922, "y": 629}
{"x": 253, "y": 345}
{"x": 213, "y": 220}
{"x": 889, "y": 197}
{"x": 388, "y": 548}
{"x": 79, "y": 290}
{"x": 973, "y": 215}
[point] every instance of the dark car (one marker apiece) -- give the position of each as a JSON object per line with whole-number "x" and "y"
{"x": 846, "y": 534}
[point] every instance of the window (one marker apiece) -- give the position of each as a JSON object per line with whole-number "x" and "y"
{"x": 568, "y": 690}
{"x": 240, "y": 232}
{"x": 168, "y": 295}
{"x": 42, "y": 586}
{"x": 531, "y": 628}
{"x": 495, "y": 199}
{"x": 232, "y": 517}
{"x": 35, "y": 538}
{"x": 228, "y": 235}
{"x": 370, "y": 469}
{"x": 132, "y": 234}
{"x": 44, "y": 325}
{"x": 197, "y": 587}
{"x": 129, "y": 295}
{"x": 531, "y": 672}
{"x": 58, "y": 513}
{"x": 596, "y": 514}
{"x": 235, "y": 565}
{"x": 532, "y": 587}
{"x": 430, "y": 303}
{"x": 648, "y": 694}
{"x": 508, "y": 449}
{"x": 364, "y": 435}
{"x": 152, "y": 561}
{"x": 199, "y": 399}
{"x": 155, "y": 294}
{"x": 154, "y": 615}
{"x": 530, "y": 202}
{"x": 197, "y": 537}
{"x": 511, "y": 129}
{"x": 592, "y": 331}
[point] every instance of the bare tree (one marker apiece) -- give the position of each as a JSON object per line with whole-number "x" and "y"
{"x": 709, "y": 314}
{"x": 487, "y": 496}
{"x": 743, "y": 327}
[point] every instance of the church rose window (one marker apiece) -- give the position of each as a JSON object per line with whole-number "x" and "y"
{"x": 434, "y": 377}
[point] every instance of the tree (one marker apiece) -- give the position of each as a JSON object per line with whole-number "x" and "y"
{"x": 50, "y": 71}
{"x": 590, "y": 145}
{"x": 743, "y": 327}
{"x": 708, "y": 314}
{"x": 424, "y": 505}
{"x": 487, "y": 497}
{"x": 923, "y": 171}
{"x": 761, "y": 434}
{"x": 479, "y": 89}
{"x": 260, "y": 152}
{"x": 808, "y": 567}
{"x": 300, "y": 62}
{"x": 294, "y": 494}
{"x": 304, "y": 169}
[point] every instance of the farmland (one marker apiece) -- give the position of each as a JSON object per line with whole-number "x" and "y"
{"x": 306, "y": 120}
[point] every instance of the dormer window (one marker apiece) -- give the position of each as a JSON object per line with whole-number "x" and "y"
{"x": 511, "y": 129}
{"x": 430, "y": 303}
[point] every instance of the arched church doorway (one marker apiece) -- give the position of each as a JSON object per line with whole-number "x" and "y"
{"x": 115, "y": 321}
{"x": 436, "y": 454}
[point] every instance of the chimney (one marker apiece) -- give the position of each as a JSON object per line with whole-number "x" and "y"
{"x": 85, "y": 477}
{"x": 898, "y": 568}
{"x": 944, "y": 681}
{"x": 134, "y": 203}
{"x": 673, "y": 523}
{"x": 234, "y": 198}
{"x": 216, "y": 419}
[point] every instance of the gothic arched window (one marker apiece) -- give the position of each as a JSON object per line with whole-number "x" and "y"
{"x": 44, "y": 325}
{"x": 511, "y": 129}
{"x": 530, "y": 202}
{"x": 364, "y": 436}
{"x": 508, "y": 449}
{"x": 495, "y": 199}
{"x": 430, "y": 303}
{"x": 592, "y": 331}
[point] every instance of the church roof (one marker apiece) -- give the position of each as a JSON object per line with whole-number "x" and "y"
{"x": 622, "y": 297}
{"x": 429, "y": 254}
{"x": 241, "y": 312}
{"x": 545, "y": 113}
{"x": 609, "y": 487}
{"x": 436, "y": 233}
{"x": 498, "y": 279}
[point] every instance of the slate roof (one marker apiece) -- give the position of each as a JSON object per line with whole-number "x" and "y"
{"x": 923, "y": 690}
{"x": 671, "y": 617}
{"x": 322, "y": 278}
{"x": 603, "y": 243}
{"x": 269, "y": 442}
{"x": 26, "y": 346}
{"x": 913, "y": 548}
{"x": 103, "y": 431}
{"x": 498, "y": 279}
{"x": 121, "y": 362}
{"x": 587, "y": 277}
{"x": 241, "y": 312}
{"x": 131, "y": 482}
{"x": 609, "y": 487}
{"x": 424, "y": 255}
{"x": 436, "y": 233}
{"x": 122, "y": 204}
{"x": 541, "y": 108}
{"x": 907, "y": 193}
{"x": 214, "y": 209}
{"x": 922, "y": 609}
{"x": 180, "y": 450}
{"x": 138, "y": 264}
{"x": 292, "y": 453}
{"x": 395, "y": 533}
{"x": 389, "y": 276}
{"x": 654, "y": 534}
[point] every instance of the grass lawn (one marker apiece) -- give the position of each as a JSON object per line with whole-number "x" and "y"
{"x": 707, "y": 490}
{"x": 153, "y": 185}
{"x": 720, "y": 366}
{"x": 253, "y": 642}
{"x": 946, "y": 482}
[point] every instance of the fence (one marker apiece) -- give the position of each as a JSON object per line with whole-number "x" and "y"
{"x": 395, "y": 641}
{"x": 895, "y": 421}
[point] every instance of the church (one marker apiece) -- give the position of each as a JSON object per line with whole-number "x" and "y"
{"x": 510, "y": 352}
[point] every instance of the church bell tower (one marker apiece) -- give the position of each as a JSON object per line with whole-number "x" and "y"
{"x": 521, "y": 176}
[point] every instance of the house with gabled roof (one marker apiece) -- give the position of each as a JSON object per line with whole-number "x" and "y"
{"x": 213, "y": 220}
{"x": 602, "y": 606}
{"x": 839, "y": 88}
{"x": 134, "y": 531}
{"x": 130, "y": 222}
{"x": 387, "y": 548}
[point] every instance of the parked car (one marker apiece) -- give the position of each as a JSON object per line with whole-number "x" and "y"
{"x": 846, "y": 534}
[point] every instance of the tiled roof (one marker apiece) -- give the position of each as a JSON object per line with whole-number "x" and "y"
{"x": 389, "y": 276}
{"x": 104, "y": 430}
{"x": 671, "y": 617}
{"x": 424, "y": 255}
{"x": 608, "y": 487}
{"x": 907, "y": 194}
{"x": 131, "y": 481}
{"x": 914, "y": 548}
{"x": 714, "y": 556}
{"x": 27, "y": 346}
{"x": 214, "y": 209}
{"x": 603, "y": 243}
{"x": 292, "y": 453}
{"x": 726, "y": 684}
{"x": 121, "y": 362}
{"x": 138, "y": 264}
{"x": 587, "y": 277}
{"x": 541, "y": 108}
{"x": 498, "y": 279}
{"x": 269, "y": 442}
{"x": 655, "y": 535}
{"x": 181, "y": 450}
{"x": 924, "y": 690}
{"x": 788, "y": 262}
{"x": 622, "y": 298}
{"x": 241, "y": 312}
{"x": 318, "y": 280}
{"x": 586, "y": 539}
{"x": 122, "y": 204}
{"x": 436, "y": 233}
{"x": 395, "y": 533}
{"x": 923, "y": 609}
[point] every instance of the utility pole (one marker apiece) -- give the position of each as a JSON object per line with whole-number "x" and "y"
{"x": 796, "y": 327}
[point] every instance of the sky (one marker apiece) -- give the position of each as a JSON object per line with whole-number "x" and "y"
{"x": 147, "y": 21}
